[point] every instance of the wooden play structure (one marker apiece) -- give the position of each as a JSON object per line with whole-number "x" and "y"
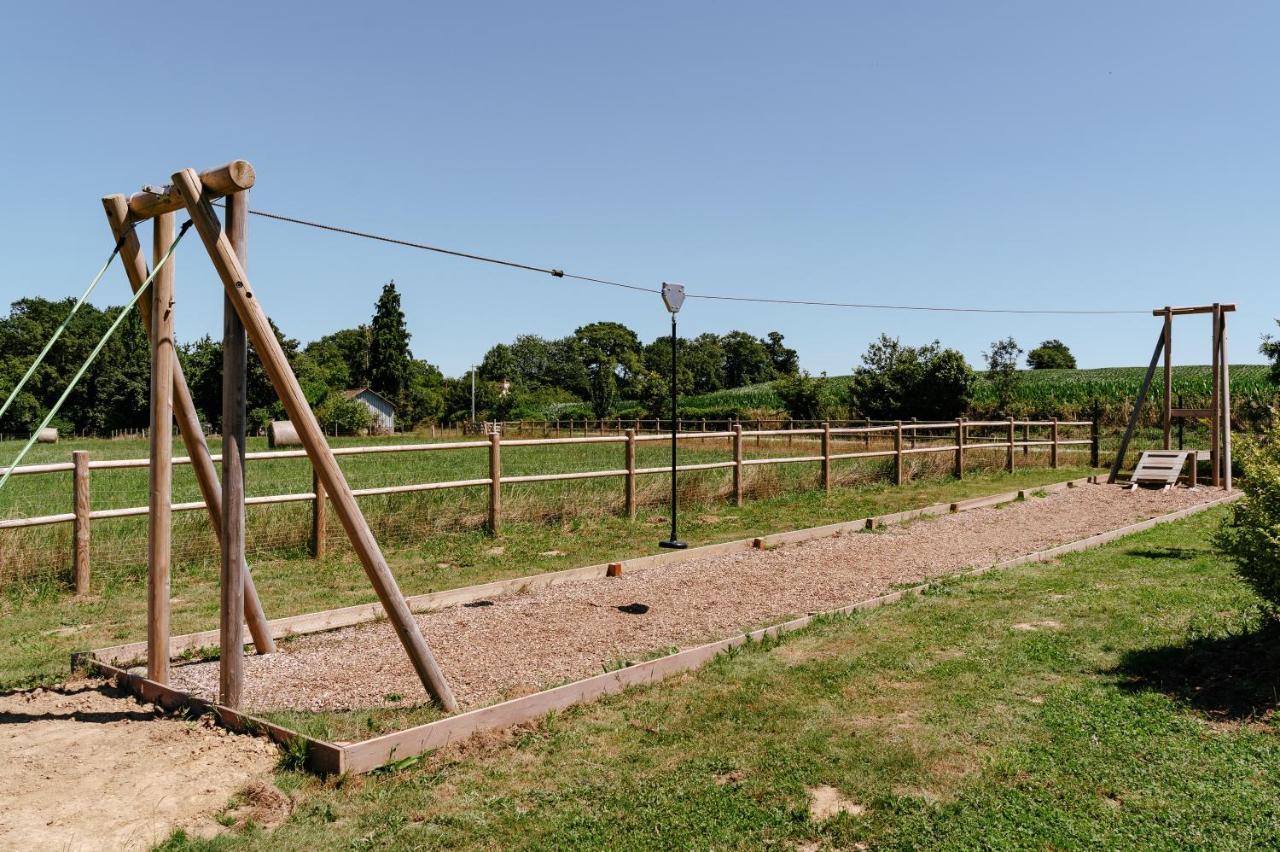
{"x": 244, "y": 319}
{"x": 1163, "y": 467}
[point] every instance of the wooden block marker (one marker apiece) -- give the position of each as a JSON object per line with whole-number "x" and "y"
{"x": 614, "y": 569}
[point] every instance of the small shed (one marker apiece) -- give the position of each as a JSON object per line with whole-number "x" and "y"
{"x": 384, "y": 413}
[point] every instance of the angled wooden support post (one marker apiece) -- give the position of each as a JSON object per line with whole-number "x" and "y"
{"x": 1137, "y": 409}
{"x": 82, "y": 507}
{"x": 135, "y": 267}
{"x": 263, "y": 338}
{"x": 160, "y": 491}
{"x": 235, "y": 364}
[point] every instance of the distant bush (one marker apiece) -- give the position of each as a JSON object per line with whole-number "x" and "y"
{"x": 897, "y": 382}
{"x": 1251, "y": 536}
{"x": 1051, "y": 355}
{"x": 804, "y": 396}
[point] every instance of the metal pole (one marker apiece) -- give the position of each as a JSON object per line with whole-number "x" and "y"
{"x": 674, "y": 542}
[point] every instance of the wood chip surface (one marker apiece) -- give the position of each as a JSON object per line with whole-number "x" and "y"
{"x": 527, "y": 642}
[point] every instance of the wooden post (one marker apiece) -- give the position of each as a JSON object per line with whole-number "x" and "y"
{"x": 160, "y": 491}
{"x": 319, "y": 517}
{"x": 1012, "y": 437}
{"x": 1026, "y": 438}
{"x": 631, "y": 474}
{"x": 276, "y": 365}
{"x": 826, "y": 457}
{"x": 914, "y": 430}
{"x": 1215, "y": 457}
{"x": 959, "y": 448}
{"x": 1167, "y": 408}
{"x": 897, "y": 453}
{"x": 1095, "y": 433}
{"x": 81, "y": 504}
{"x": 1226, "y": 403}
{"x": 737, "y": 464}
{"x": 1053, "y": 453}
{"x": 235, "y": 367}
{"x": 866, "y": 436}
{"x": 135, "y": 266}
{"x": 495, "y": 483}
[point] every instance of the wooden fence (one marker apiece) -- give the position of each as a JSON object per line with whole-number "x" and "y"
{"x": 904, "y": 439}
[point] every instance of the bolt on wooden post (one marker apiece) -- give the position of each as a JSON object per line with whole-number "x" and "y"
{"x": 631, "y": 474}
{"x": 495, "y": 483}
{"x": 81, "y": 507}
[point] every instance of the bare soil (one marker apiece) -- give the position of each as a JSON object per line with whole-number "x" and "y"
{"x": 526, "y": 642}
{"x": 87, "y": 767}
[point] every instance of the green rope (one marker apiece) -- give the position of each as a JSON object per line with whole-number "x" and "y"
{"x": 57, "y": 334}
{"x": 57, "y": 406}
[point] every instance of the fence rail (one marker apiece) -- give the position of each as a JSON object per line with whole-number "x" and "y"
{"x": 904, "y": 439}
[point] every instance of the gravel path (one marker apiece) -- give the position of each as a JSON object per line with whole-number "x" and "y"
{"x": 527, "y": 642}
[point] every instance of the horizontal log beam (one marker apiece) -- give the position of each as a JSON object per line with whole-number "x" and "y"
{"x": 235, "y": 176}
{"x": 1196, "y": 309}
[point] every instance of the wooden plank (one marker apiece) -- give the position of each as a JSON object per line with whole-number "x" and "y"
{"x": 83, "y": 527}
{"x": 236, "y": 283}
{"x": 1191, "y": 412}
{"x": 232, "y": 567}
{"x": 372, "y": 753}
{"x": 160, "y": 489}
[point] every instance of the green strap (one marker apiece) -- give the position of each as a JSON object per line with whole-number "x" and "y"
{"x": 57, "y": 406}
{"x": 57, "y": 334}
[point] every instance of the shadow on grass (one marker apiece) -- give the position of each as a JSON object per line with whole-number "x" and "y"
{"x": 1168, "y": 552}
{"x": 1230, "y": 678}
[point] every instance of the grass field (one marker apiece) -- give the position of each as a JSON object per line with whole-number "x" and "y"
{"x": 1117, "y": 698}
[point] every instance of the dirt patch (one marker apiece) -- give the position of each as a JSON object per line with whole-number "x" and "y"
{"x": 575, "y": 630}
{"x": 87, "y": 767}
{"x": 1032, "y": 626}
{"x": 827, "y": 802}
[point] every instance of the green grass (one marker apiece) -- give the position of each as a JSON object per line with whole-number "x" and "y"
{"x": 1136, "y": 714}
{"x": 43, "y": 625}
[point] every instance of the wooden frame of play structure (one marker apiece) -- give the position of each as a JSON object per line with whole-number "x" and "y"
{"x": 244, "y": 317}
{"x": 1219, "y": 411}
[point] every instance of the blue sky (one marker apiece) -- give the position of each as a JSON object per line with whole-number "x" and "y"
{"x": 1103, "y": 155}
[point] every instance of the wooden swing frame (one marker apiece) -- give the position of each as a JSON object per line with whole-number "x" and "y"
{"x": 244, "y": 320}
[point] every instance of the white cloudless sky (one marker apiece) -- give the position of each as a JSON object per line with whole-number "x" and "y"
{"x": 995, "y": 154}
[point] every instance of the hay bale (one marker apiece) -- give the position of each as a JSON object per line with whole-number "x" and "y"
{"x": 47, "y": 435}
{"x": 282, "y": 434}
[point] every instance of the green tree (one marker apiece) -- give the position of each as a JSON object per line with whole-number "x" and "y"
{"x": 1051, "y": 355}
{"x": 785, "y": 360}
{"x": 1251, "y": 536}
{"x": 746, "y": 360}
{"x": 389, "y": 354}
{"x": 611, "y": 356}
{"x": 1271, "y": 348}
{"x": 1002, "y": 370}
{"x": 897, "y": 382}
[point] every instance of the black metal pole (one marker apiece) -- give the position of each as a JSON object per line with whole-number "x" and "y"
{"x": 673, "y": 542}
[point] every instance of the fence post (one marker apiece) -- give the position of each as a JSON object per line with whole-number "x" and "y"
{"x": 1012, "y": 440}
{"x": 495, "y": 483}
{"x": 737, "y": 464}
{"x": 914, "y": 421}
{"x": 631, "y": 474}
{"x": 1026, "y": 438}
{"x": 319, "y": 517}
{"x": 1093, "y": 440}
{"x": 80, "y": 496}
{"x": 1053, "y": 454}
{"x": 826, "y": 456}
{"x": 959, "y": 448}
{"x": 897, "y": 453}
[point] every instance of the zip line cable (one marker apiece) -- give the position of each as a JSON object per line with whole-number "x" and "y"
{"x": 57, "y": 406}
{"x": 560, "y": 273}
{"x": 62, "y": 328}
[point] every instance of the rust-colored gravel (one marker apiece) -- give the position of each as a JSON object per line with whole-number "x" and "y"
{"x": 524, "y": 643}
